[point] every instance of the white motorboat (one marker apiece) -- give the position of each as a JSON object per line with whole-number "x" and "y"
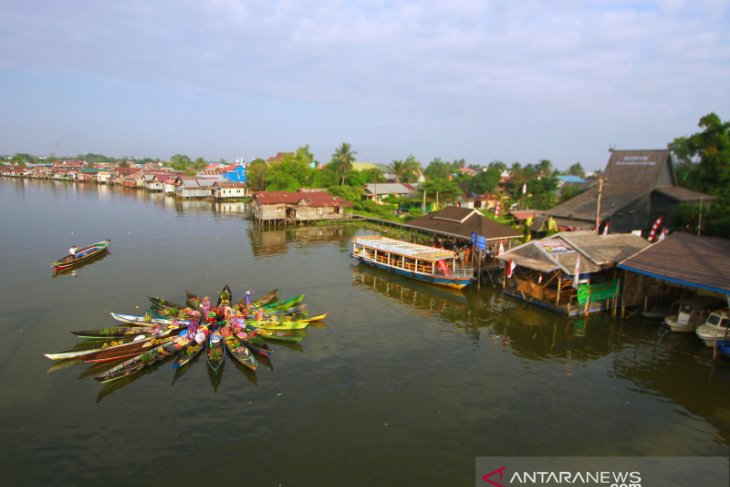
{"x": 688, "y": 313}
{"x": 715, "y": 328}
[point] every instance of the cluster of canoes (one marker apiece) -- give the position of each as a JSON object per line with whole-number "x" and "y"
{"x": 184, "y": 331}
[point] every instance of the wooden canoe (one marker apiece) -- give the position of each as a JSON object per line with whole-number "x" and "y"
{"x": 295, "y": 324}
{"x": 265, "y": 298}
{"x": 143, "y": 360}
{"x": 141, "y": 321}
{"x": 240, "y": 352}
{"x": 215, "y": 350}
{"x": 84, "y": 255}
{"x": 188, "y": 353}
{"x": 284, "y": 303}
{"x": 141, "y": 344}
{"x": 255, "y": 344}
{"x": 224, "y": 296}
{"x": 119, "y": 332}
{"x": 281, "y": 335}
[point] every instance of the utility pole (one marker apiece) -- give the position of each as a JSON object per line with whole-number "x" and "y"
{"x": 598, "y": 202}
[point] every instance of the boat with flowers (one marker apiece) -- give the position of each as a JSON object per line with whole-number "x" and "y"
{"x": 420, "y": 262}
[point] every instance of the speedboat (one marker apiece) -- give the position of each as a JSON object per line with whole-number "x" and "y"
{"x": 715, "y": 328}
{"x": 688, "y": 313}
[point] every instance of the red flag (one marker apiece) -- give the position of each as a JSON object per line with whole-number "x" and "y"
{"x": 496, "y": 209}
{"x": 663, "y": 234}
{"x": 511, "y": 268}
{"x": 605, "y": 229}
{"x": 501, "y": 248}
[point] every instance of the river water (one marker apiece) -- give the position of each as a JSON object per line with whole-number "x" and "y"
{"x": 405, "y": 384}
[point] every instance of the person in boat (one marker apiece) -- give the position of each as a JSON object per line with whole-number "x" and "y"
{"x": 205, "y": 305}
{"x": 259, "y": 315}
{"x": 72, "y": 251}
{"x": 200, "y": 335}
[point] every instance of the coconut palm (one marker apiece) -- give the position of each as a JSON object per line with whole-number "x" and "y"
{"x": 342, "y": 160}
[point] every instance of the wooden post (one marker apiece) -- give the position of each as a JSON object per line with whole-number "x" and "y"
{"x": 560, "y": 285}
{"x": 479, "y": 272}
{"x": 598, "y": 202}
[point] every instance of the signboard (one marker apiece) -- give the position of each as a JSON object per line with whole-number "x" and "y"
{"x": 473, "y": 238}
{"x": 481, "y": 243}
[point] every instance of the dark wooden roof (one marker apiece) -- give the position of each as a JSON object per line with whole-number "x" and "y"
{"x": 683, "y": 194}
{"x": 638, "y": 168}
{"x": 683, "y": 258}
{"x": 462, "y": 222}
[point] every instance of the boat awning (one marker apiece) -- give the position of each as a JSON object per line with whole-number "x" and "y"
{"x": 407, "y": 249}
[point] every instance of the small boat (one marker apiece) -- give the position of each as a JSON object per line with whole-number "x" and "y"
{"x": 688, "y": 313}
{"x": 143, "y": 360}
{"x": 224, "y": 297}
{"x": 283, "y": 304}
{"x": 163, "y": 304}
{"x": 119, "y": 332}
{"x": 111, "y": 355}
{"x": 420, "y": 262}
{"x": 294, "y": 324}
{"x": 265, "y": 298}
{"x": 717, "y": 327}
{"x": 215, "y": 351}
{"x": 187, "y": 354}
{"x": 281, "y": 335}
{"x": 120, "y": 349}
{"x": 256, "y": 344}
{"x": 142, "y": 321}
{"x": 82, "y": 256}
{"x": 192, "y": 300}
{"x": 240, "y": 352}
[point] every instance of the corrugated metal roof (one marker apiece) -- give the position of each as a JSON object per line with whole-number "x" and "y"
{"x": 683, "y": 258}
{"x": 561, "y": 251}
{"x": 310, "y": 198}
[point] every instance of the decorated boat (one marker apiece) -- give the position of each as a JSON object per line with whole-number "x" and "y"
{"x": 120, "y": 332}
{"x": 82, "y": 256}
{"x": 215, "y": 350}
{"x": 115, "y": 348}
{"x": 145, "y": 321}
{"x": 288, "y": 324}
{"x": 145, "y": 359}
{"x": 423, "y": 263}
{"x": 281, "y": 335}
{"x": 255, "y": 343}
{"x": 188, "y": 353}
{"x": 240, "y": 352}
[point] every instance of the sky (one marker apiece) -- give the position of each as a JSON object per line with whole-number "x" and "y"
{"x": 479, "y": 80}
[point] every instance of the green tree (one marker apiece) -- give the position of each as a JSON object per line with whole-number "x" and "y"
{"x": 406, "y": 171}
{"x": 705, "y": 167}
{"x": 577, "y": 170}
{"x": 485, "y": 181}
{"x": 342, "y": 160}
{"x": 180, "y": 162}
{"x": 256, "y": 175}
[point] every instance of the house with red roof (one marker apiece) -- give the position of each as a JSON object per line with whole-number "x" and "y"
{"x": 299, "y": 206}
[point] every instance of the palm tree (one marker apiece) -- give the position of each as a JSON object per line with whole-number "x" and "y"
{"x": 342, "y": 159}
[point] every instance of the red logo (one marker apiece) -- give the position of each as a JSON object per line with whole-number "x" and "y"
{"x": 499, "y": 471}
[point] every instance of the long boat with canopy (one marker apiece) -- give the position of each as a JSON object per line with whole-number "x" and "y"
{"x": 423, "y": 263}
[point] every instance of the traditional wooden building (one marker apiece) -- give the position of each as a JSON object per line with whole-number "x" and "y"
{"x": 461, "y": 223}
{"x": 376, "y": 192}
{"x": 300, "y": 206}
{"x": 638, "y": 187}
{"x": 570, "y": 272}
{"x": 688, "y": 263}
{"x": 194, "y": 188}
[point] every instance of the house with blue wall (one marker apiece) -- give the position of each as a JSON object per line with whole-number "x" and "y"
{"x": 235, "y": 174}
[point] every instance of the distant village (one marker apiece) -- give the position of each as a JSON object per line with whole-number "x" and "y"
{"x": 611, "y": 247}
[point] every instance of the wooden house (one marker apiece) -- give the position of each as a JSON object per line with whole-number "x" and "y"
{"x": 156, "y": 182}
{"x": 300, "y": 206}
{"x": 638, "y": 187}
{"x": 569, "y": 272}
{"x": 377, "y": 192}
{"x": 679, "y": 264}
{"x": 460, "y": 223}
{"x": 228, "y": 190}
{"x": 194, "y": 188}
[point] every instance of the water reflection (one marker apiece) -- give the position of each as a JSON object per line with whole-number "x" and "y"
{"x": 274, "y": 241}
{"x": 71, "y": 271}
